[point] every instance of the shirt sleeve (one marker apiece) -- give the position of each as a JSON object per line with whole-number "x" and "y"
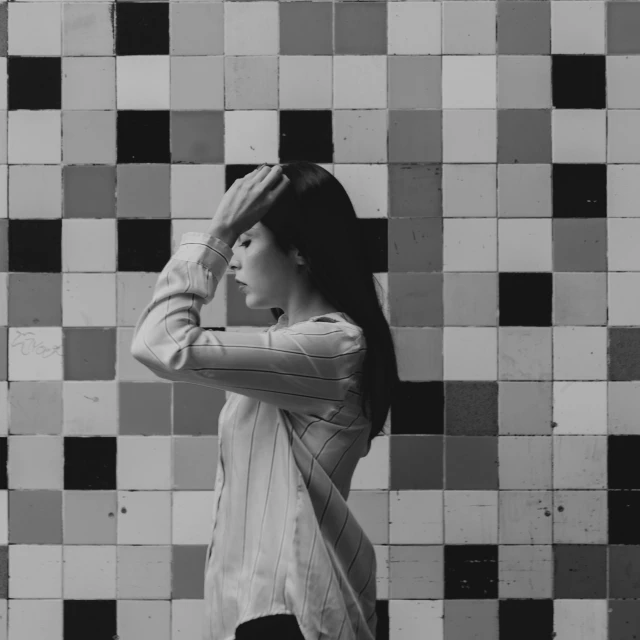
{"x": 306, "y": 368}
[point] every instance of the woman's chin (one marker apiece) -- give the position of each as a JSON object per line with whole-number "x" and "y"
{"x": 252, "y": 301}
{"x": 248, "y": 297}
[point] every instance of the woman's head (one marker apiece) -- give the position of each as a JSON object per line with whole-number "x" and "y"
{"x": 313, "y": 232}
{"x": 273, "y": 278}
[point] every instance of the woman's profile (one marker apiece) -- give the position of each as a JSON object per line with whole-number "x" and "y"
{"x": 287, "y": 558}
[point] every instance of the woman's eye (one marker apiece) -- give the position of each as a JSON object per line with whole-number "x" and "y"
{"x": 245, "y": 242}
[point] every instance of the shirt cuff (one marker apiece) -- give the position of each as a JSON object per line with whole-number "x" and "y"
{"x": 207, "y": 250}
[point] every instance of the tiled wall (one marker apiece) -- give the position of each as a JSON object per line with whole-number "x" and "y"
{"x": 492, "y": 150}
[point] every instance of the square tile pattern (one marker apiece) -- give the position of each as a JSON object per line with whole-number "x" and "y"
{"x": 492, "y": 153}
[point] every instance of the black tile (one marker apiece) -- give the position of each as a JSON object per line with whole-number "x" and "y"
{"x": 90, "y": 463}
{"x": 3, "y": 463}
{"x": 143, "y": 137}
{"x": 382, "y": 612}
{"x": 306, "y": 135}
{"x": 35, "y": 246}
{"x": 579, "y": 190}
{"x": 525, "y": 619}
{"x": 578, "y": 81}
{"x": 470, "y": 571}
{"x": 525, "y": 299}
{"x": 95, "y": 619}
{"x": 142, "y": 28}
{"x": 143, "y": 245}
{"x": 624, "y": 524}
{"x": 34, "y": 83}
{"x": 622, "y": 462}
{"x": 417, "y": 408}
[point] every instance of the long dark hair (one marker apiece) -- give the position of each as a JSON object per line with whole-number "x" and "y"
{"x": 315, "y": 215}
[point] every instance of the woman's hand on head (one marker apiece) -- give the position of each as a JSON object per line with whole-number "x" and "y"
{"x": 249, "y": 198}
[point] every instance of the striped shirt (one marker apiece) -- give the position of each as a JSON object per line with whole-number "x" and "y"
{"x": 290, "y": 436}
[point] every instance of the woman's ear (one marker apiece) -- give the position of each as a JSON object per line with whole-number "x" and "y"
{"x": 298, "y": 259}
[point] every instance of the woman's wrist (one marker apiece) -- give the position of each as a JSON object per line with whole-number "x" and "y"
{"x": 223, "y": 232}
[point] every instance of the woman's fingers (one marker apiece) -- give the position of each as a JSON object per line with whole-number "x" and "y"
{"x": 274, "y": 193}
{"x": 267, "y": 177}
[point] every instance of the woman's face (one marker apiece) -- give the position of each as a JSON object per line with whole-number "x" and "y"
{"x": 268, "y": 273}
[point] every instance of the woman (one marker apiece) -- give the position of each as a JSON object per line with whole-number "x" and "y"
{"x": 287, "y": 559}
